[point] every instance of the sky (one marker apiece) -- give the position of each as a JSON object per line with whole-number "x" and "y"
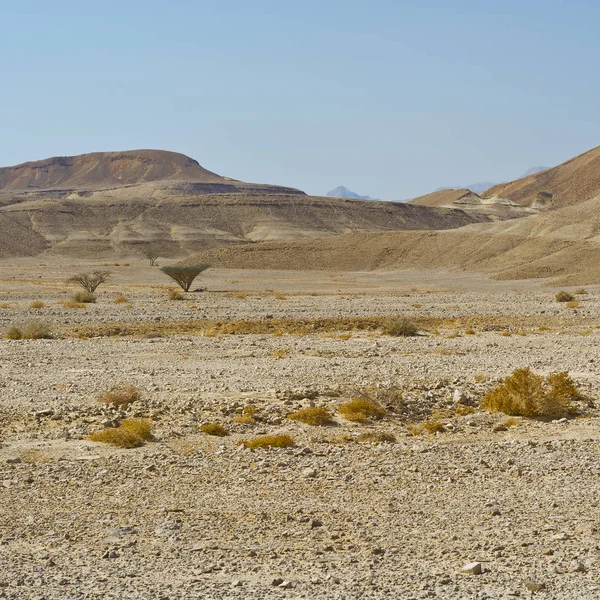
{"x": 390, "y": 98}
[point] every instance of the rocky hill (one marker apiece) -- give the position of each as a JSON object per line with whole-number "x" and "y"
{"x": 119, "y": 203}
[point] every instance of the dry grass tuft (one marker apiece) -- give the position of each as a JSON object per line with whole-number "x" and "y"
{"x": 244, "y": 420}
{"x": 399, "y": 327}
{"x": 239, "y": 295}
{"x": 280, "y": 297}
{"x": 470, "y": 332}
{"x": 426, "y": 427}
{"x": 175, "y": 295}
{"x": 269, "y": 441}
{"x": 462, "y": 410}
{"x": 526, "y": 394}
{"x": 38, "y": 304}
{"x": 511, "y": 422}
{"x": 72, "y": 304}
{"x": 121, "y": 300}
{"x": 120, "y": 396}
{"x": 376, "y": 437}
{"x": 360, "y": 410}
{"x": 214, "y": 429}
{"x": 581, "y": 292}
{"x": 563, "y": 296}
{"x": 84, "y": 297}
{"x": 141, "y": 427}
{"x": 30, "y": 330}
{"x": 116, "y": 436}
{"x": 312, "y": 415}
{"x": 281, "y": 353}
{"x": 573, "y": 304}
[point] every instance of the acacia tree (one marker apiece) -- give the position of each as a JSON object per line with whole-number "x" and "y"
{"x": 90, "y": 281}
{"x": 151, "y": 253}
{"x": 184, "y": 275}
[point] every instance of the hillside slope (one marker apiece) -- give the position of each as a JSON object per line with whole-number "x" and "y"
{"x": 571, "y": 182}
{"x": 117, "y": 204}
{"x": 563, "y": 244}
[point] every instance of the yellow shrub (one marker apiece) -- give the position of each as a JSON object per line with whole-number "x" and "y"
{"x": 269, "y": 441}
{"x": 37, "y": 304}
{"x": 312, "y": 415}
{"x": 399, "y": 327}
{"x": 214, "y": 429}
{"x": 361, "y": 410}
{"x": 140, "y": 427}
{"x": 121, "y": 300}
{"x": 426, "y": 426}
{"x": 526, "y": 394}
{"x": 116, "y": 436}
{"x": 121, "y": 395}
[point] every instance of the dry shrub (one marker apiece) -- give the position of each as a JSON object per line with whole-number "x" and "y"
{"x": 563, "y": 296}
{"x": 376, "y": 437}
{"x": 4, "y": 305}
{"x": 280, "y": 297}
{"x": 281, "y": 353}
{"x": 470, "y": 332}
{"x": 462, "y": 410}
{"x": 72, "y": 304}
{"x": 581, "y": 292}
{"x": 141, "y": 427}
{"x": 312, "y": 415}
{"x": 84, "y": 297}
{"x": 30, "y": 330}
{"x": 573, "y": 304}
{"x": 116, "y": 436}
{"x": 239, "y": 295}
{"x": 526, "y": 394}
{"x": 399, "y": 327}
{"x": 175, "y": 295}
{"x": 214, "y": 429}
{"x": 120, "y": 396}
{"x": 426, "y": 426}
{"x": 37, "y": 304}
{"x": 121, "y": 300}
{"x": 360, "y": 410}
{"x": 244, "y": 420}
{"x": 480, "y": 378}
{"x": 511, "y": 422}
{"x": 269, "y": 441}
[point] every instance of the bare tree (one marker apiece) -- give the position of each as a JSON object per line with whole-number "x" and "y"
{"x": 90, "y": 281}
{"x": 151, "y": 253}
{"x": 184, "y": 275}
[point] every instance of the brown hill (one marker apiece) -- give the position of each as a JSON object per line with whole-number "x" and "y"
{"x": 571, "y": 182}
{"x": 562, "y": 244}
{"x": 118, "y": 203}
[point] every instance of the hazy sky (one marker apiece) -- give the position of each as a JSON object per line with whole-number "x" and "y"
{"x": 391, "y": 98}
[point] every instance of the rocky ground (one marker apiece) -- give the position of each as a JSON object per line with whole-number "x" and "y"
{"x": 189, "y": 515}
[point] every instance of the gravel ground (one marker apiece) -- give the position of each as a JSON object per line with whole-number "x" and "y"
{"x": 194, "y": 516}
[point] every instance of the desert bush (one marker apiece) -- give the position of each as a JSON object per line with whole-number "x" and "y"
{"x": 184, "y": 275}
{"x": 399, "y": 327}
{"x": 117, "y": 436}
{"x": 573, "y": 304}
{"x": 121, "y": 300}
{"x": 312, "y": 415}
{"x": 141, "y": 427}
{"x": 581, "y": 292}
{"x": 526, "y": 394}
{"x": 120, "y": 396}
{"x": 244, "y": 420}
{"x": 37, "y": 304}
{"x": 376, "y": 437}
{"x": 151, "y": 253}
{"x": 426, "y": 427}
{"x": 563, "y": 296}
{"x": 214, "y": 429}
{"x": 470, "y": 332}
{"x": 281, "y": 353}
{"x": 90, "y": 281}
{"x": 360, "y": 410}
{"x": 462, "y": 410}
{"x": 72, "y": 304}
{"x": 176, "y": 295}
{"x": 29, "y": 330}
{"x": 84, "y": 297}
{"x": 269, "y": 441}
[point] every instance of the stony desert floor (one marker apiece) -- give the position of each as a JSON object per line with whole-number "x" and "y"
{"x": 337, "y": 515}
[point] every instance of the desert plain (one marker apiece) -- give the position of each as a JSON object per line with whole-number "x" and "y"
{"x": 375, "y": 509}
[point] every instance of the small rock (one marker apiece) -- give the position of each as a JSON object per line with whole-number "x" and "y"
{"x": 473, "y": 568}
{"x": 236, "y": 583}
{"x": 309, "y": 472}
{"x": 277, "y": 581}
{"x": 316, "y": 523}
{"x": 576, "y": 567}
{"x": 286, "y": 585}
{"x": 13, "y": 461}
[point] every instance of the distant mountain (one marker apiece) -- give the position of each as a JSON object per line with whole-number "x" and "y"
{"x": 533, "y": 171}
{"x": 483, "y": 186}
{"x": 343, "y": 192}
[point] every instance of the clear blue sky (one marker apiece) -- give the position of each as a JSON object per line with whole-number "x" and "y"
{"x": 391, "y": 98}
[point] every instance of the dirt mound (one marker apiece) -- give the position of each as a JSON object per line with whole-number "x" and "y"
{"x": 564, "y": 244}
{"x": 571, "y": 182}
